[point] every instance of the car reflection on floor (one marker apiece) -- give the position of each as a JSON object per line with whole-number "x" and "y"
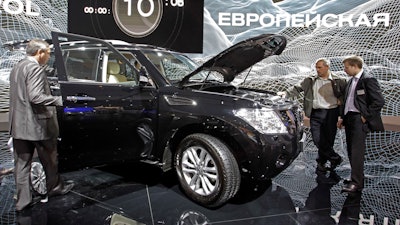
{"x": 114, "y": 194}
{"x": 142, "y": 194}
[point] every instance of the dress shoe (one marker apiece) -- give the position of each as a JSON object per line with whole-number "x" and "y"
{"x": 346, "y": 181}
{"x": 335, "y": 163}
{"x": 322, "y": 179}
{"x": 334, "y": 177}
{"x": 321, "y": 167}
{"x": 35, "y": 200}
{"x": 350, "y": 187}
{"x": 42, "y": 198}
{"x": 61, "y": 189}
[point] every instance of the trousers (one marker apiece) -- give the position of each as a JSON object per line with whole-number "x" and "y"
{"x": 356, "y": 134}
{"x": 23, "y": 154}
{"x": 323, "y": 130}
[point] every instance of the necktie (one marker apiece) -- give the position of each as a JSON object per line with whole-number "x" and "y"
{"x": 350, "y": 97}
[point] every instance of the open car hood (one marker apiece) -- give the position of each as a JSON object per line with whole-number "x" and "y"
{"x": 242, "y": 55}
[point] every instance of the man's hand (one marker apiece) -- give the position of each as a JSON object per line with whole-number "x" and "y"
{"x": 363, "y": 119}
{"x": 339, "y": 123}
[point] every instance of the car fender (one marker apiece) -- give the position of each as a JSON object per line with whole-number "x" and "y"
{"x": 235, "y": 135}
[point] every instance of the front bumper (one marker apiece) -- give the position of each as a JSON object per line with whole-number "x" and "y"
{"x": 272, "y": 155}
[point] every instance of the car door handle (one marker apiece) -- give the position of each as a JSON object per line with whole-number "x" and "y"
{"x": 80, "y": 99}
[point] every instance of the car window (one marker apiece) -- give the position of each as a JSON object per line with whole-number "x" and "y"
{"x": 51, "y": 65}
{"x": 173, "y": 66}
{"x": 119, "y": 71}
{"x": 82, "y": 64}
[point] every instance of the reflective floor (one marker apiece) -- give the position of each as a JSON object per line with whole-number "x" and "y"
{"x": 141, "y": 194}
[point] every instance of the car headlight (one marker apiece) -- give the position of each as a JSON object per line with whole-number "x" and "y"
{"x": 264, "y": 120}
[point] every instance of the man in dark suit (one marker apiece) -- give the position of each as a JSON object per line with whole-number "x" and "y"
{"x": 33, "y": 123}
{"x": 362, "y": 114}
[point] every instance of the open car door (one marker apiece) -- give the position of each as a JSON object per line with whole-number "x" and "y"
{"x": 107, "y": 114}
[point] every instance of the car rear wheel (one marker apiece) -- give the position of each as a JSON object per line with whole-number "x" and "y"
{"x": 38, "y": 177}
{"x": 207, "y": 170}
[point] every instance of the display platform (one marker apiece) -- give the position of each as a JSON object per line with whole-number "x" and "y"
{"x": 141, "y": 194}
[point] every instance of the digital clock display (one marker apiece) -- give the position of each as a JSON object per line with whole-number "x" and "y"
{"x": 174, "y": 24}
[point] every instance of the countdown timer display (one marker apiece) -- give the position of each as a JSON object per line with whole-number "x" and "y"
{"x": 174, "y": 24}
{"x": 139, "y": 19}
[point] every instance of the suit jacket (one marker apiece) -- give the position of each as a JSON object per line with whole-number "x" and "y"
{"x": 32, "y": 107}
{"x": 368, "y": 100}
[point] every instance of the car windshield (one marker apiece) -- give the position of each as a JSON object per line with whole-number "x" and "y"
{"x": 175, "y": 66}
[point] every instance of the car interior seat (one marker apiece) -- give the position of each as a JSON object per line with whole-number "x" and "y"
{"x": 113, "y": 76}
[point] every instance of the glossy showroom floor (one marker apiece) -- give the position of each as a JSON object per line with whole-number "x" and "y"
{"x": 141, "y": 194}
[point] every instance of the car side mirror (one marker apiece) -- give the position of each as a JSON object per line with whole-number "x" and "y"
{"x": 144, "y": 80}
{"x": 143, "y": 72}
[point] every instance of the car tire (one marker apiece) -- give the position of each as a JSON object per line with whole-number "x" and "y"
{"x": 38, "y": 177}
{"x": 207, "y": 170}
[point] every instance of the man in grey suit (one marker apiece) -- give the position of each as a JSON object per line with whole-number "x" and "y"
{"x": 362, "y": 114}
{"x": 33, "y": 123}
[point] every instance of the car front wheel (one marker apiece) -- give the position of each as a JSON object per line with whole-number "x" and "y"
{"x": 207, "y": 170}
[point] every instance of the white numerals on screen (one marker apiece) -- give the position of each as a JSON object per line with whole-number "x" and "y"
{"x": 179, "y": 3}
{"x": 140, "y": 8}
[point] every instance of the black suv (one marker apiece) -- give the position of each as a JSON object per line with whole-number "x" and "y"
{"x": 131, "y": 102}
